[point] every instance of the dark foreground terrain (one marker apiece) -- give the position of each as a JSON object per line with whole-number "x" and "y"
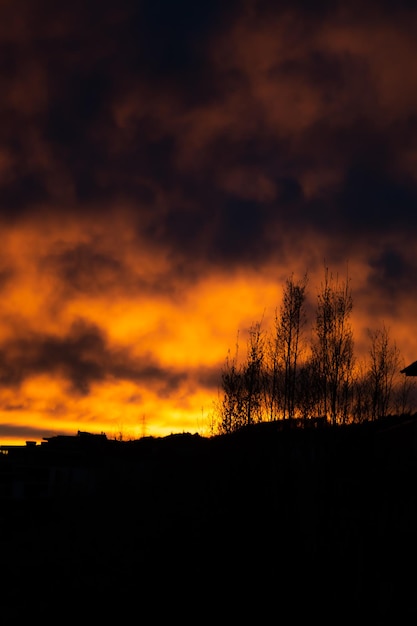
{"x": 265, "y": 526}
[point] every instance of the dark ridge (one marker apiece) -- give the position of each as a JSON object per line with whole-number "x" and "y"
{"x": 273, "y": 520}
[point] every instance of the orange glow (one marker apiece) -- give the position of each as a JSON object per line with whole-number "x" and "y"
{"x": 150, "y": 215}
{"x": 182, "y": 335}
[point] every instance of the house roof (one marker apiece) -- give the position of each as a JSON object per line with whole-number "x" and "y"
{"x": 410, "y": 370}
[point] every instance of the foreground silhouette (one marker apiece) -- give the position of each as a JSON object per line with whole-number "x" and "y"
{"x": 300, "y": 522}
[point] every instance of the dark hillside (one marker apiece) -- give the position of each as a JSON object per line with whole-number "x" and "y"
{"x": 318, "y": 522}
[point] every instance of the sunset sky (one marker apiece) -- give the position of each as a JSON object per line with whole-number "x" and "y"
{"x": 164, "y": 167}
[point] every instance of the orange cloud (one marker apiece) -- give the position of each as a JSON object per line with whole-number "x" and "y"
{"x": 140, "y": 358}
{"x": 152, "y": 206}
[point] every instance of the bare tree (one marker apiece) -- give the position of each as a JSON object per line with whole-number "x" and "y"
{"x": 289, "y": 325}
{"x": 308, "y": 393}
{"x": 332, "y": 347}
{"x": 361, "y": 403}
{"x": 273, "y": 375}
{"x": 242, "y": 401}
{"x": 231, "y": 407}
{"x": 253, "y": 374}
{"x": 384, "y": 364}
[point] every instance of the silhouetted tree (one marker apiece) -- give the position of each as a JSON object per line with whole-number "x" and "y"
{"x": 308, "y": 390}
{"x": 278, "y": 379}
{"x": 361, "y": 403}
{"x": 273, "y": 375}
{"x": 253, "y": 375}
{"x": 289, "y": 325}
{"x": 384, "y": 364}
{"x": 232, "y": 415}
{"x": 332, "y": 347}
{"x": 242, "y": 400}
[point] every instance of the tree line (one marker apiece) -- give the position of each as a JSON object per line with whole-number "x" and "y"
{"x": 303, "y": 369}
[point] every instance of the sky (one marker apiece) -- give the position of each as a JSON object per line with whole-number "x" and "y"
{"x": 164, "y": 167}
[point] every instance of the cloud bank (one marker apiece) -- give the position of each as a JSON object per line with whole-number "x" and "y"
{"x": 165, "y": 166}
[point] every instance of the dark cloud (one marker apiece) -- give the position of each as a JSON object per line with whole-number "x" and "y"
{"x": 241, "y": 233}
{"x": 392, "y": 273}
{"x": 84, "y": 268}
{"x": 96, "y": 271}
{"x": 28, "y": 190}
{"x": 27, "y": 433}
{"x": 6, "y": 276}
{"x": 87, "y": 58}
{"x": 83, "y": 357}
{"x": 159, "y": 57}
{"x": 206, "y": 377}
{"x": 170, "y": 39}
{"x": 376, "y": 202}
